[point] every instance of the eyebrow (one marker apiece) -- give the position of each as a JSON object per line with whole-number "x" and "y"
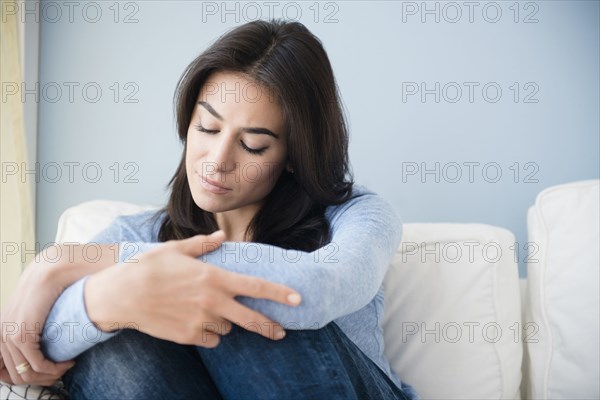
{"x": 259, "y": 131}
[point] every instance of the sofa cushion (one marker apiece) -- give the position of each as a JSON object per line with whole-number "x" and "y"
{"x": 452, "y": 312}
{"x": 564, "y": 287}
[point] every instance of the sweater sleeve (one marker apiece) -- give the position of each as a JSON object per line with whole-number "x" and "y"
{"x": 335, "y": 280}
{"x": 68, "y": 330}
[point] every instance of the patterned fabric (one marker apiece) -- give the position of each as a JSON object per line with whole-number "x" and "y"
{"x": 32, "y": 392}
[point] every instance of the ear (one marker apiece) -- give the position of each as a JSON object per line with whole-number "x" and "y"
{"x": 289, "y": 167}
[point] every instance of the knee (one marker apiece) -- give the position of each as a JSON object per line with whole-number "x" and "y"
{"x": 122, "y": 367}
{"x": 306, "y": 364}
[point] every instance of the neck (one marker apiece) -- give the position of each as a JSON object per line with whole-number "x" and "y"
{"x": 235, "y": 222}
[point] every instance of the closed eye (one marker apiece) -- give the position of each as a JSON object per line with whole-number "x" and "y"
{"x": 251, "y": 150}
{"x": 244, "y": 146}
{"x": 203, "y": 129}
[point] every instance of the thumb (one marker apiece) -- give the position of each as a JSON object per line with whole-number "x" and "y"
{"x": 200, "y": 244}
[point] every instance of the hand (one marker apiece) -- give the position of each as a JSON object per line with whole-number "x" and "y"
{"x": 171, "y": 295}
{"x": 22, "y": 322}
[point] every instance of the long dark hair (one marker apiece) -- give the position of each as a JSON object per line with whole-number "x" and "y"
{"x": 288, "y": 60}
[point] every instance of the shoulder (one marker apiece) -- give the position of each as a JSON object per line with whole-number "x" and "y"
{"x": 361, "y": 190}
{"x": 140, "y": 227}
{"x": 362, "y": 203}
{"x": 366, "y": 212}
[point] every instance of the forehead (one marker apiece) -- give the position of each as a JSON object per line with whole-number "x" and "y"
{"x": 237, "y": 86}
{"x": 235, "y": 93}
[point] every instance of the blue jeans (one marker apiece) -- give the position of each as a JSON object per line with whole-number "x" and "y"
{"x": 308, "y": 364}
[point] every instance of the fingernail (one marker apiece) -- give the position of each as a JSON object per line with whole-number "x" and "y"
{"x": 279, "y": 333}
{"x": 294, "y": 298}
{"x": 71, "y": 366}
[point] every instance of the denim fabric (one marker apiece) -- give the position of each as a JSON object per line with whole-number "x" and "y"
{"x": 306, "y": 364}
{"x": 133, "y": 365}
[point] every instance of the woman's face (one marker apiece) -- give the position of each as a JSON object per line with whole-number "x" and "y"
{"x": 236, "y": 144}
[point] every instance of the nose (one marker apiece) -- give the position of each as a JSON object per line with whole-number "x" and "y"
{"x": 222, "y": 153}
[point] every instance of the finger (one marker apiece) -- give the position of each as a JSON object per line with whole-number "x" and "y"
{"x": 5, "y": 376}
{"x": 10, "y": 366}
{"x": 208, "y": 339}
{"x": 252, "y": 321}
{"x": 217, "y": 325}
{"x": 45, "y": 383}
{"x": 30, "y": 376}
{"x": 42, "y": 365}
{"x": 259, "y": 288}
{"x": 33, "y": 378}
{"x": 200, "y": 244}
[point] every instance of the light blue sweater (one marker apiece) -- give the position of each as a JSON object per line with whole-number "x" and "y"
{"x": 340, "y": 282}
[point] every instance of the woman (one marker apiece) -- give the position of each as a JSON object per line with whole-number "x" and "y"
{"x": 265, "y": 166}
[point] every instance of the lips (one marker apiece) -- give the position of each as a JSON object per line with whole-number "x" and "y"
{"x": 213, "y": 186}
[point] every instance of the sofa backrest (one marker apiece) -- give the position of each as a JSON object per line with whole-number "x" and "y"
{"x": 452, "y": 321}
{"x": 82, "y": 222}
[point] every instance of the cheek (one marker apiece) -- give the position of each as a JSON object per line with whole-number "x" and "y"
{"x": 188, "y": 159}
{"x": 194, "y": 150}
{"x": 260, "y": 177}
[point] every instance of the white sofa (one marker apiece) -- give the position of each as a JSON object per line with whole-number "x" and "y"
{"x": 459, "y": 323}
{"x": 537, "y": 338}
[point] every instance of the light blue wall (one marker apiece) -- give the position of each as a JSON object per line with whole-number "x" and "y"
{"x": 380, "y": 51}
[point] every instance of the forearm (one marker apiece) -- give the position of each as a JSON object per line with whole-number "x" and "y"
{"x": 68, "y": 330}
{"x": 335, "y": 280}
{"x": 74, "y": 261}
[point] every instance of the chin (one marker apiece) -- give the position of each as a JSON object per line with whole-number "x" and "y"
{"x": 210, "y": 205}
